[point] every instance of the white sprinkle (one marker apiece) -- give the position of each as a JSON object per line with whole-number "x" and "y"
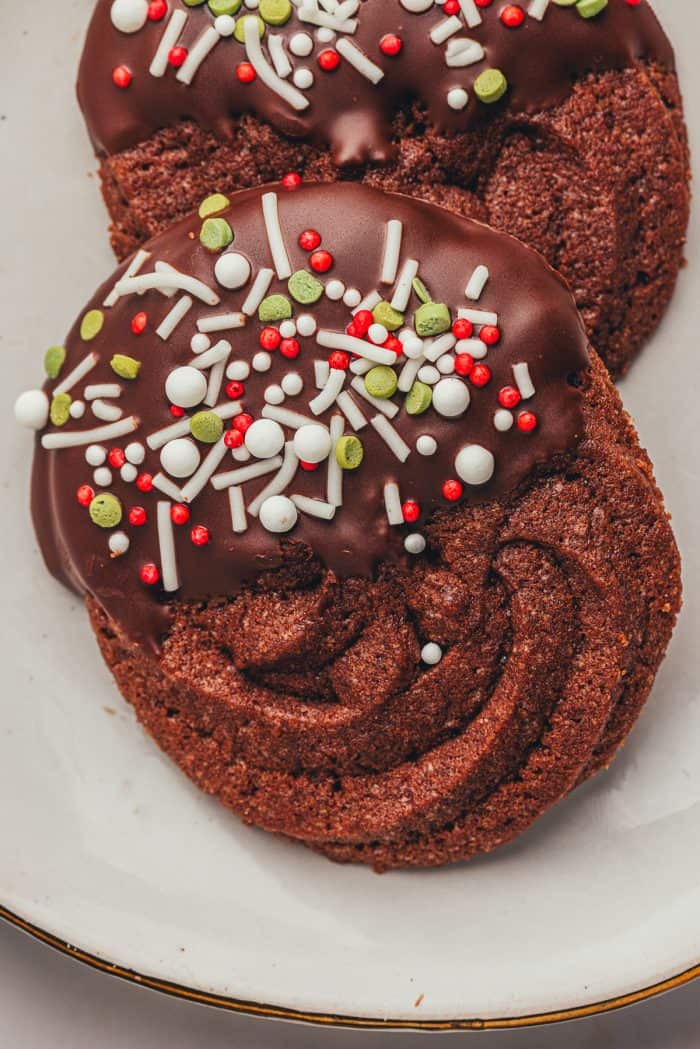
{"x": 102, "y": 477}
{"x": 503, "y": 420}
{"x": 335, "y": 289}
{"x": 78, "y": 373}
{"x": 359, "y": 60}
{"x": 463, "y": 52}
{"x": 210, "y": 463}
{"x": 392, "y": 503}
{"x": 180, "y": 458}
{"x": 262, "y": 361}
{"x": 320, "y": 18}
{"x": 392, "y": 251}
{"x": 278, "y": 514}
{"x": 265, "y": 71}
{"x": 280, "y": 482}
{"x": 306, "y": 325}
{"x": 402, "y": 292}
{"x": 292, "y": 384}
{"x": 168, "y": 40}
{"x": 215, "y": 355}
{"x": 273, "y": 228}
{"x": 164, "y": 267}
{"x": 314, "y": 507}
{"x": 182, "y": 426}
{"x": 479, "y": 316}
{"x": 474, "y": 347}
{"x": 77, "y": 411}
{"x": 118, "y": 544}
{"x": 241, "y": 454}
{"x": 378, "y": 334}
{"x": 238, "y": 371}
{"x": 135, "y": 452}
{"x": 336, "y": 340}
{"x": 239, "y": 522}
{"x": 325, "y": 36}
{"x": 352, "y": 298}
{"x": 350, "y": 410}
{"x": 428, "y": 374}
{"x": 414, "y": 543}
{"x": 475, "y": 464}
{"x": 167, "y": 487}
{"x": 197, "y": 53}
{"x": 216, "y": 381}
{"x": 109, "y": 413}
{"x": 445, "y": 364}
{"x": 232, "y": 270}
{"x": 76, "y": 438}
{"x": 426, "y": 445}
{"x": 264, "y": 439}
{"x": 200, "y": 343}
{"x": 450, "y": 397}
{"x": 128, "y": 16}
{"x": 258, "y": 291}
{"x": 477, "y": 283}
{"x": 128, "y": 473}
{"x": 431, "y": 654}
{"x": 288, "y": 329}
{"x": 95, "y": 455}
{"x": 443, "y": 344}
{"x": 275, "y": 45}
{"x": 521, "y": 374}
{"x": 301, "y": 45}
{"x": 538, "y": 9}
{"x": 166, "y": 542}
{"x": 222, "y": 322}
{"x": 102, "y": 389}
{"x": 409, "y": 372}
{"x": 134, "y": 266}
{"x": 471, "y": 13}
{"x": 361, "y": 367}
{"x": 274, "y": 394}
{"x": 391, "y": 437}
{"x": 457, "y": 98}
{"x": 225, "y": 25}
{"x": 171, "y": 320}
{"x": 369, "y": 302}
{"x": 303, "y": 78}
{"x": 321, "y": 373}
{"x": 334, "y": 477}
{"x": 185, "y": 387}
{"x": 246, "y": 473}
{"x": 167, "y": 281}
{"x": 414, "y": 348}
{"x": 386, "y": 407}
{"x": 327, "y": 397}
{"x": 445, "y": 29}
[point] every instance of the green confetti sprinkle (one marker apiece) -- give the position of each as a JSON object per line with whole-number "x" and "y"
{"x": 194, "y": 3}
{"x": 215, "y": 234}
{"x": 213, "y": 204}
{"x": 91, "y": 324}
{"x": 418, "y": 399}
{"x": 224, "y": 7}
{"x": 275, "y": 12}
{"x": 421, "y": 290}
{"x": 54, "y": 359}
{"x": 565, "y": 3}
{"x": 239, "y": 31}
{"x": 381, "y": 381}
{"x": 275, "y": 308}
{"x": 105, "y": 510}
{"x": 432, "y": 318}
{"x": 384, "y": 313}
{"x": 349, "y": 453}
{"x": 304, "y": 288}
{"x": 206, "y": 427}
{"x": 60, "y": 409}
{"x": 490, "y": 85}
{"x": 125, "y": 367}
{"x": 591, "y": 8}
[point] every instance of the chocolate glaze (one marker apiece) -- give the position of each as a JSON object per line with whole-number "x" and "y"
{"x": 539, "y": 59}
{"x": 539, "y": 325}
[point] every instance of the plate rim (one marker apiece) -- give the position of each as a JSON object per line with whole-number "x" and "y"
{"x": 270, "y": 1011}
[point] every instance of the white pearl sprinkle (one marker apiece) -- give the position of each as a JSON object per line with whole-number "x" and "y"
{"x": 241, "y": 455}
{"x": 431, "y": 654}
{"x": 503, "y": 420}
{"x": 135, "y": 452}
{"x": 292, "y": 384}
{"x": 306, "y": 325}
{"x": 185, "y": 387}
{"x": 475, "y": 347}
{"x": 301, "y": 45}
{"x": 324, "y": 35}
{"x": 252, "y": 4}
{"x": 278, "y": 514}
{"x": 264, "y": 438}
{"x": 232, "y": 270}
{"x": 128, "y": 16}
{"x": 118, "y": 543}
{"x": 426, "y": 445}
{"x": 475, "y": 464}
{"x": 95, "y": 455}
{"x": 102, "y": 477}
{"x": 312, "y": 443}
{"x": 457, "y": 98}
{"x": 446, "y": 364}
{"x": 413, "y": 347}
{"x": 335, "y": 289}
{"x": 303, "y": 78}
{"x": 352, "y": 298}
{"x": 450, "y": 398}
{"x": 77, "y": 409}
{"x": 180, "y": 457}
{"x": 414, "y": 543}
{"x": 200, "y": 343}
{"x": 225, "y": 25}
{"x": 262, "y": 362}
{"x": 128, "y": 473}
{"x": 288, "y": 329}
{"x": 416, "y": 7}
{"x": 238, "y": 371}
{"x": 428, "y": 374}
{"x": 378, "y": 334}
{"x": 274, "y": 394}
{"x": 32, "y": 409}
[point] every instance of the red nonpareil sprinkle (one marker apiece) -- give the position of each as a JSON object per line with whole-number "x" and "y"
{"x": 291, "y": 180}
{"x": 116, "y": 458}
{"x": 393, "y": 344}
{"x": 509, "y": 397}
{"x": 410, "y": 510}
{"x": 512, "y": 16}
{"x": 137, "y": 516}
{"x": 452, "y": 490}
{"x": 451, "y": 7}
{"x": 321, "y": 261}
{"x": 483, "y": 3}
{"x": 242, "y": 422}
{"x": 490, "y": 334}
{"x": 310, "y": 467}
{"x": 269, "y": 338}
{"x": 176, "y": 411}
{"x": 339, "y": 360}
{"x": 527, "y": 422}
{"x": 480, "y": 375}
{"x": 144, "y": 482}
{"x": 233, "y": 438}
{"x": 200, "y": 535}
{"x": 157, "y": 9}
{"x": 290, "y": 348}
{"x": 464, "y": 362}
{"x": 391, "y": 45}
{"x": 309, "y": 240}
{"x": 177, "y": 56}
{"x": 179, "y": 514}
{"x": 352, "y": 330}
{"x": 362, "y": 322}
{"x": 122, "y": 76}
{"x": 634, "y": 3}
{"x": 138, "y": 323}
{"x": 149, "y": 574}
{"x": 85, "y": 494}
{"x": 245, "y": 73}
{"x": 329, "y": 60}
{"x": 462, "y": 328}
{"x": 234, "y": 390}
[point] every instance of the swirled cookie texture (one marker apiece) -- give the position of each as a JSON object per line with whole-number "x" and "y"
{"x": 560, "y": 123}
{"x": 364, "y": 534}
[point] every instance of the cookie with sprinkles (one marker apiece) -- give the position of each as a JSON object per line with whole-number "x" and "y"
{"x": 558, "y": 122}
{"x": 363, "y": 532}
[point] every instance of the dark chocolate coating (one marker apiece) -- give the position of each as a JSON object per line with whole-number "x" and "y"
{"x": 539, "y": 325}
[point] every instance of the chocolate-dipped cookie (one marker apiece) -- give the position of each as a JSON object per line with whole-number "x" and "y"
{"x": 558, "y": 122}
{"x": 364, "y": 534}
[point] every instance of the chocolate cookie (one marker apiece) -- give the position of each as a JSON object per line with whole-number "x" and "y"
{"x": 363, "y": 531}
{"x": 558, "y": 122}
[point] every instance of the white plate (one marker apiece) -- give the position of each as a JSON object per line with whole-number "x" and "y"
{"x": 106, "y": 846}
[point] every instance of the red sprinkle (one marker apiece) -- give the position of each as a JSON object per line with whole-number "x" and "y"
{"x": 527, "y": 422}
{"x": 394, "y": 344}
{"x": 490, "y": 334}
{"x": 321, "y": 261}
{"x": 245, "y": 73}
{"x": 391, "y": 45}
{"x": 309, "y": 240}
{"x": 122, "y": 76}
{"x": 157, "y": 9}
{"x": 137, "y": 516}
{"x": 200, "y": 535}
{"x": 269, "y": 338}
{"x": 362, "y": 322}
{"x": 451, "y": 7}
{"x": 116, "y": 458}
{"x": 483, "y": 3}
{"x": 85, "y": 494}
{"x": 291, "y": 180}
{"x": 179, "y": 514}
{"x": 452, "y": 490}
{"x": 234, "y": 390}
{"x": 410, "y": 510}
{"x": 138, "y": 323}
{"x": 329, "y": 60}
{"x": 144, "y": 482}
{"x": 512, "y": 16}
{"x": 508, "y": 397}
{"x": 480, "y": 375}
{"x": 462, "y": 328}
{"x": 290, "y": 348}
{"x": 242, "y": 422}
{"x": 149, "y": 575}
{"x": 464, "y": 362}
{"x": 176, "y": 411}
{"x": 233, "y": 438}
{"x": 308, "y": 466}
{"x": 177, "y": 56}
{"x": 339, "y": 360}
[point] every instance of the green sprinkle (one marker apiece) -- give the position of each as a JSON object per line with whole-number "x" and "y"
{"x": 421, "y": 290}
{"x": 213, "y": 204}
{"x": 206, "y": 427}
{"x": 105, "y": 510}
{"x": 125, "y": 367}
{"x": 565, "y": 3}
{"x": 91, "y": 324}
{"x": 275, "y": 308}
{"x": 54, "y": 359}
{"x": 432, "y": 318}
{"x": 381, "y": 381}
{"x": 224, "y": 7}
{"x": 591, "y": 8}
{"x": 384, "y": 313}
{"x": 349, "y": 453}
{"x": 491, "y": 85}
{"x": 418, "y": 399}
{"x": 275, "y": 12}
{"x": 304, "y": 288}
{"x": 60, "y": 409}
{"x": 215, "y": 234}
{"x": 193, "y": 3}
{"x": 239, "y": 31}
